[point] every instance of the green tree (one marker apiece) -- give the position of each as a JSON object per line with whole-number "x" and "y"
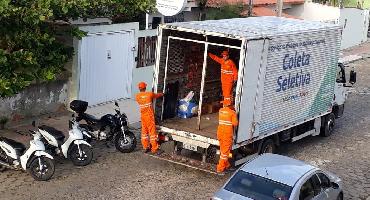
{"x": 29, "y": 48}
{"x": 224, "y": 12}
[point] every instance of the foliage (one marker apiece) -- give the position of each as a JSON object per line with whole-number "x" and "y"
{"x": 29, "y": 30}
{"x": 224, "y": 12}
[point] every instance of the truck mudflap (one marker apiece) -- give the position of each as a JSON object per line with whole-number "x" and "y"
{"x": 199, "y": 165}
{"x": 188, "y": 162}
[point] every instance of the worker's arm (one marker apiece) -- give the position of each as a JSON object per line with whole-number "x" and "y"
{"x": 235, "y": 71}
{"x": 157, "y": 95}
{"x": 234, "y": 119}
{"x": 215, "y": 58}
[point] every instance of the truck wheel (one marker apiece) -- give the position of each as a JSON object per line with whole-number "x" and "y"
{"x": 328, "y": 126}
{"x": 268, "y": 146}
{"x": 211, "y": 156}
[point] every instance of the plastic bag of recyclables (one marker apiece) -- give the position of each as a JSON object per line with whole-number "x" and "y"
{"x": 187, "y": 108}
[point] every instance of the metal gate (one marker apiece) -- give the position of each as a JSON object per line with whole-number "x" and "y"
{"x": 106, "y": 62}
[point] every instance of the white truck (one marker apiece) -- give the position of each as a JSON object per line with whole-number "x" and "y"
{"x": 289, "y": 85}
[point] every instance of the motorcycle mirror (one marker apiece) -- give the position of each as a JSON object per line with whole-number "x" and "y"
{"x": 115, "y": 103}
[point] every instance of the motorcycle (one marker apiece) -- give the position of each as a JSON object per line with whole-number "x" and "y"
{"x": 74, "y": 148}
{"x": 34, "y": 160}
{"x": 110, "y": 127}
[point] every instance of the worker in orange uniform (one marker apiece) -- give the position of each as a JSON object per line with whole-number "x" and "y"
{"x": 227, "y": 119}
{"x": 229, "y": 74}
{"x": 145, "y": 100}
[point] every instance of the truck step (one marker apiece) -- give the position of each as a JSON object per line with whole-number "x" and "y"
{"x": 191, "y": 163}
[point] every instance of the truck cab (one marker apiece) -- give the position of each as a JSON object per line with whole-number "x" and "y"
{"x": 341, "y": 88}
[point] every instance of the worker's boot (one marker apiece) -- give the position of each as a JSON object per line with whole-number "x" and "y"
{"x": 146, "y": 150}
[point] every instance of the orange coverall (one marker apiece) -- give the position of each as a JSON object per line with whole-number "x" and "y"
{"x": 227, "y": 120}
{"x": 145, "y": 100}
{"x": 229, "y": 74}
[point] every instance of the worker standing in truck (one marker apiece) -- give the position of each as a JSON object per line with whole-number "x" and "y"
{"x": 227, "y": 119}
{"x": 148, "y": 128}
{"x": 229, "y": 74}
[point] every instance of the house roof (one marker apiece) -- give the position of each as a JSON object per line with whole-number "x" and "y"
{"x": 220, "y": 3}
{"x": 263, "y": 11}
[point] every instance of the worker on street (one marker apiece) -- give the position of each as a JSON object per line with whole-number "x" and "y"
{"x": 229, "y": 74}
{"x": 148, "y": 128}
{"x": 227, "y": 120}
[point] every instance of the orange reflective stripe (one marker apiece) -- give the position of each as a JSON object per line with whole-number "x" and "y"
{"x": 227, "y": 71}
{"x": 223, "y": 122}
{"x": 146, "y": 105}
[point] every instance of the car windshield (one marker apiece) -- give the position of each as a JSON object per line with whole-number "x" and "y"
{"x": 257, "y": 187}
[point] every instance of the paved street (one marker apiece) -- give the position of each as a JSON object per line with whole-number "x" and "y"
{"x": 113, "y": 175}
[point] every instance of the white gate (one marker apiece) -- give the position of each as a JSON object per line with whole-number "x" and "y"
{"x": 106, "y": 62}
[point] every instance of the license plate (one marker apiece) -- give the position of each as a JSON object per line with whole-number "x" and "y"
{"x": 189, "y": 147}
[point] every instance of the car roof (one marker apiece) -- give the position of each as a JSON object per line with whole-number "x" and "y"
{"x": 279, "y": 168}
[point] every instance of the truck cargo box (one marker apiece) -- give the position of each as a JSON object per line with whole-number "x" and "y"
{"x": 286, "y": 74}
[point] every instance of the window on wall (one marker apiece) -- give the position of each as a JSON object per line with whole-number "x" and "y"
{"x": 146, "y": 51}
{"x": 156, "y": 21}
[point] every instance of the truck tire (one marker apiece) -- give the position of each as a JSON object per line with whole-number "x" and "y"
{"x": 268, "y": 146}
{"x": 328, "y": 126}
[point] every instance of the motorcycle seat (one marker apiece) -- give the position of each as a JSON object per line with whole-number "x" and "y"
{"x": 19, "y": 147}
{"x": 58, "y": 135}
{"x": 89, "y": 117}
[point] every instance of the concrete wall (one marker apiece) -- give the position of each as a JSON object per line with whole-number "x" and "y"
{"x": 314, "y": 12}
{"x": 355, "y": 23}
{"x": 35, "y": 100}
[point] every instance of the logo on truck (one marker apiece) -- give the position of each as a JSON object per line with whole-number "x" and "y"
{"x": 297, "y": 79}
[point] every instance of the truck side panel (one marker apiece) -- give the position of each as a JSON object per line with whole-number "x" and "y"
{"x": 300, "y": 78}
{"x": 254, "y": 72}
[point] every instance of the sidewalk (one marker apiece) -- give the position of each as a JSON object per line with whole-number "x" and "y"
{"x": 355, "y": 53}
{"x": 60, "y": 121}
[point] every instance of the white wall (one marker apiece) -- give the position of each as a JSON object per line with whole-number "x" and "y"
{"x": 314, "y": 12}
{"x": 143, "y": 73}
{"x": 75, "y": 78}
{"x": 355, "y": 23}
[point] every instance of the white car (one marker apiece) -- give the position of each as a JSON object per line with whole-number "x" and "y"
{"x": 276, "y": 177}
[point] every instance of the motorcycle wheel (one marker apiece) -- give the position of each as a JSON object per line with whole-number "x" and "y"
{"x": 47, "y": 171}
{"x": 125, "y": 144}
{"x": 83, "y": 159}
